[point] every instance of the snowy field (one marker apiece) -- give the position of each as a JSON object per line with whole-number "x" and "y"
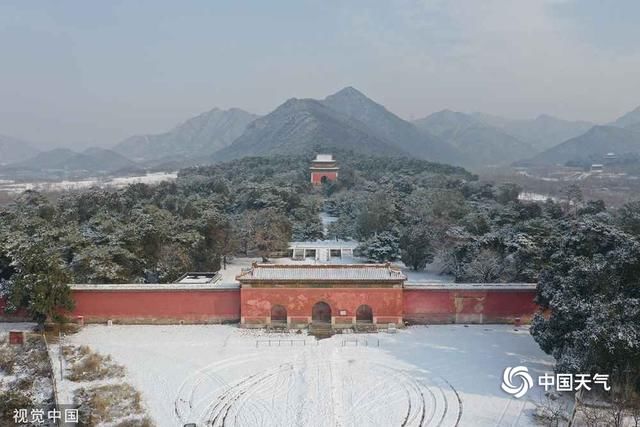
{"x": 113, "y": 182}
{"x": 222, "y": 375}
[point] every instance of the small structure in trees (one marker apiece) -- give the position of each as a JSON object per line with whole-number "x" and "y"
{"x": 324, "y": 169}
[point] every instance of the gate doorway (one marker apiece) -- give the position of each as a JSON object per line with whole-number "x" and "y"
{"x": 364, "y": 314}
{"x": 321, "y": 312}
{"x": 278, "y": 314}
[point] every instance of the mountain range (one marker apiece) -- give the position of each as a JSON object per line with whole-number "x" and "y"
{"x": 592, "y": 146}
{"x": 347, "y": 120}
{"x": 480, "y": 144}
{"x": 199, "y": 136}
{"x": 15, "y": 150}
{"x": 93, "y": 160}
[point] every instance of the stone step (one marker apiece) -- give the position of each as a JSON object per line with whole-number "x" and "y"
{"x": 321, "y": 330}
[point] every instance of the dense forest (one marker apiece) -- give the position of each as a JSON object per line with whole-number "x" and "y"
{"x": 585, "y": 257}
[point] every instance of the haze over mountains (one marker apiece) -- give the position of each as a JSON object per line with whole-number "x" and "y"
{"x": 198, "y": 136}
{"x": 15, "y": 150}
{"x": 346, "y": 120}
{"x": 479, "y": 143}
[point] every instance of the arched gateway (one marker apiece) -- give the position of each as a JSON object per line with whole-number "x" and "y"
{"x": 321, "y": 312}
{"x": 278, "y": 314}
{"x": 322, "y": 296}
{"x": 364, "y": 314}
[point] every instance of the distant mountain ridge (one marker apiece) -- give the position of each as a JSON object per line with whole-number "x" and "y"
{"x": 621, "y": 137}
{"x": 15, "y": 150}
{"x": 592, "y": 146}
{"x": 389, "y": 127}
{"x": 93, "y": 160}
{"x": 628, "y": 120}
{"x": 346, "y": 120}
{"x": 301, "y": 126}
{"x": 197, "y": 137}
{"x": 479, "y": 143}
{"x": 543, "y": 132}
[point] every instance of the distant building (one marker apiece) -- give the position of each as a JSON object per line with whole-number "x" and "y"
{"x": 323, "y": 169}
{"x": 199, "y": 278}
{"x": 597, "y": 167}
{"x": 610, "y": 158}
{"x": 322, "y": 250}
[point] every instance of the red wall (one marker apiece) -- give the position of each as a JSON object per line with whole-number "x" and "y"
{"x": 316, "y": 177}
{"x": 256, "y": 302}
{"x": 192, "y": 306}
{"x": 213, "y": 306}
{"x": 19, "y": 316}
{"x": 468, "y": 306}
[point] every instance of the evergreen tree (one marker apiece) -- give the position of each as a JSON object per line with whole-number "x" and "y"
{"x": 591, "y": 290}
{"x": 415, "y": 247}
{"x": 380, "y": 247}
{"x": 39, "y": 284}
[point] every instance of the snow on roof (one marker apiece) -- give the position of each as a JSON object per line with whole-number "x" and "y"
{"x": 331, "y": 244}
{"x": 325, "y": 272}
{"x": 470, "y": 286}
{"x": 150, "y": 286}
{"x": 189, "y": 281}
{"x": 195, "y": 277}
{"x": 323, "y": 158}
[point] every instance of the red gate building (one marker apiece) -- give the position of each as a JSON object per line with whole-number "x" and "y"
{"x": 341, "y": 295}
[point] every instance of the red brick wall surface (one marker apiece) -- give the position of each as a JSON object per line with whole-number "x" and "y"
{"x": 193, "y": 306}
{"x": 316, "y": 177}
{"x": 468, "y": 306}
{"x": 257, "y": 302}
{"x": 19, "y": 316}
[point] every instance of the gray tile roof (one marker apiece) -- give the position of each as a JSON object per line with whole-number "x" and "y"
{"x": 330, "y": 272}
{"x": 332, "y": 244}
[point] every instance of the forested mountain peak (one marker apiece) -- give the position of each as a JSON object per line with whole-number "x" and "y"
{"x": 302, "y": 126}
{"x": 389, "y": 127}
{"x": 197, "y": 137}
{"x": 480, "y": 143}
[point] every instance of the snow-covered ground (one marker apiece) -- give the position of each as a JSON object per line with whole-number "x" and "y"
{"x": 224, "y": 375}
{"x": 115, "y": 182}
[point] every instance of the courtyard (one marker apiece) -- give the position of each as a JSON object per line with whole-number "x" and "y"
{"x": 217, "y": 375}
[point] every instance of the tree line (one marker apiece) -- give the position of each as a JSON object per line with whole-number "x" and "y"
{"x": 585, "y": 257}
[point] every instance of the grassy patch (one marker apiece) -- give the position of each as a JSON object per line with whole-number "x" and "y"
{"x": 10, "y": 400}
{"x": 87, "y": 365}
{"x": 108, "y": 403}
{"x": 28, "y": 382}
{"x": 136, "y": 422}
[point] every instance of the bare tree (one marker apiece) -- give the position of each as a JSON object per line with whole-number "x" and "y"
{"x": 552, "y": 411}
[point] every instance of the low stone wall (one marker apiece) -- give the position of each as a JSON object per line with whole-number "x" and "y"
{"x": 472, "y": 303}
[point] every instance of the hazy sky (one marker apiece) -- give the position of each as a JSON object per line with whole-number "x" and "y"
{"x": 95, "y": 72}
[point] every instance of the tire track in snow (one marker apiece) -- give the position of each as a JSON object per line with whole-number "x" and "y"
{"x": 319, "y": 385}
